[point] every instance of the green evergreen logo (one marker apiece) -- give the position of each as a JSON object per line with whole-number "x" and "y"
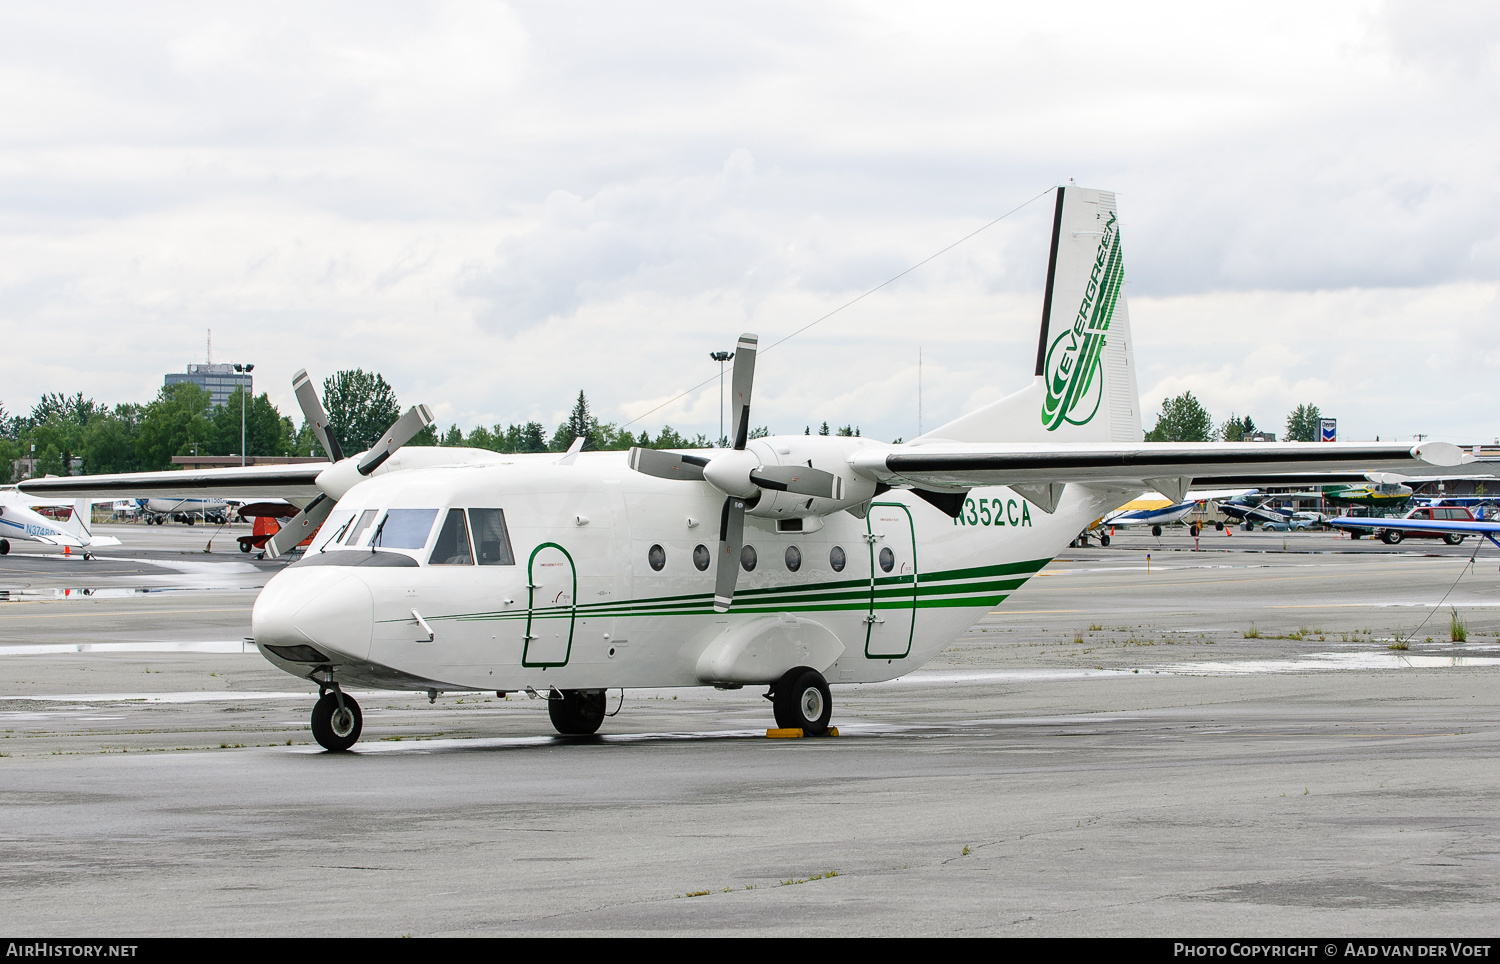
{"x": 1075, "y": 360}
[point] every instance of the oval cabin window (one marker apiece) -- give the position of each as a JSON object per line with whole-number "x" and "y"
{"x": 793, "y": 558}
{"x": 747, "y": 558}
{"x": 657, "y": 556}
{"x": 887, "y": 559}
{"x": 701, "y": 557}
{"x": 836, "y": 558}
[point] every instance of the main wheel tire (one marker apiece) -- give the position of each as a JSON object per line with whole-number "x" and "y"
{"x": 189, "y": 520}
{"x": 802, "y": 701}
{"x": 1193, "y": 530}
{"x": 1104, "y": 540}
{"x": 336, "y": 728}
{"x": 1391, "y": 536}
{"x": 1452, "y": 538}
{"x": 4, "y": 547}
{"x": 245, "y": 547}
{"x": 1219, "y": 526}
{"x": 1156, "y": 530}
{"x": 578, "y": 713}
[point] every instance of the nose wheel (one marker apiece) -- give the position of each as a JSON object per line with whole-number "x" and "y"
{"x": 802, "y": 701}
{"x": 336, "y": 721}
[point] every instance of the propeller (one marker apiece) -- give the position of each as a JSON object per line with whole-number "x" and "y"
{"x": 335, "y": 480}
{"x": 738, "y": 474}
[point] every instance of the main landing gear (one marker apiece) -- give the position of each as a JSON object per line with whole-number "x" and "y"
{"x": 4, "y": 547}
{"x": 577, "y": 712}
{"x": 802, "y": 701}
{"x": 336, "y": 720}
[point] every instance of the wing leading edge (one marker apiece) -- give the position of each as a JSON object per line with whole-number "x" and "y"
{"x": 251, "y": 481}
{"x": 1169, "y": 467}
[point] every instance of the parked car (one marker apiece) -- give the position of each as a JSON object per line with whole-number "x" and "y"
{"x": 1441, "y": 513}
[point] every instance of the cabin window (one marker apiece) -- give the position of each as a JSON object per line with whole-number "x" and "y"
{"x": 657, "y": 556}
{"x": 887, "y": 559}
{"x": 404, "y": 529}
{"x": 702, "y": 557}
{"x": 491, "y": 537}
{"x": 793, "y": 558}
{"x": 452, "y": 546}
{"x": 837, "y": 559}
{"x": 355, "y": 531}
{"x": 748, "y": 558}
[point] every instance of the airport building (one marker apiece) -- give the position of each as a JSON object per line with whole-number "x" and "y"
{"x": 219, "y": 381}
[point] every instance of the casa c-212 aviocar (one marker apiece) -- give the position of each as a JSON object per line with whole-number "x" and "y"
{"x": 791, "y": 562}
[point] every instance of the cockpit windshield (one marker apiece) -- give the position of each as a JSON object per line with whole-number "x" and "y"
{"x": 404, "y": 529}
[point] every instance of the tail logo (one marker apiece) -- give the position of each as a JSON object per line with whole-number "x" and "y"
{"x": 1075, "y": 359}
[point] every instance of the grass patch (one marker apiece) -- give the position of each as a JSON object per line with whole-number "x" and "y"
{"x": 1398, "y": 644}
{"x": 1457, "y": 628}
{"x": 1252, "y": 632}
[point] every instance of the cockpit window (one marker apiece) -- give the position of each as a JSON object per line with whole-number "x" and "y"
{"x": 491, "y": 537}
{"x": 452, "y": 546}
{"x": 333, "y": 527}
{"x": 358, "y": 529}
{"x": 404, "y": 529}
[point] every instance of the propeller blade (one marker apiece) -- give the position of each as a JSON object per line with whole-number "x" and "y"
{"x": 744, "y": 375}
{"x": 667, "y": 465}
{"x": 416, "y": 418}
{"x": 799, "y": 480}
{"x": 300, "y": 526}
{"x": 312, "y": 410}
{"x": 731, "y": 532}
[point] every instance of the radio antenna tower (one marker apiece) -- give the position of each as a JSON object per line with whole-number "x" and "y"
{"x": 208, "y": 354}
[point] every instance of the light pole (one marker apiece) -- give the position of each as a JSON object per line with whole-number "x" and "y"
{"x": 721, "y": 357}
{"x": 247, "y": 369}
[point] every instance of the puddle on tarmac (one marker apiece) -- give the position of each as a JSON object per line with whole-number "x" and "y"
{"x": 1322, "y": 662}
{"x": 185, "y": 646}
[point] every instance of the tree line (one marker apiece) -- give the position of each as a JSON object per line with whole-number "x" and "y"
{"x": 71, "y": 432}
{"x": 1184, "y": 419}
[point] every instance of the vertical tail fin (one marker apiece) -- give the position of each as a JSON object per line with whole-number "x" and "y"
{"x": 79, "y": 522}
{"x": 1084, "y": 389}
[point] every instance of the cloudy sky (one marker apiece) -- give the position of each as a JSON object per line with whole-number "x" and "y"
{"x": 497, "y": 205}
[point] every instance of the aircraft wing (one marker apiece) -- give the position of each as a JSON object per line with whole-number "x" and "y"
{"x": 253, "y": 481}
{"x": 1168, "y": 467}
{"x": 1427, "y": 525}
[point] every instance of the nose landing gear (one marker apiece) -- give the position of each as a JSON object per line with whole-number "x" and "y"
{"x": 336, "y": 720}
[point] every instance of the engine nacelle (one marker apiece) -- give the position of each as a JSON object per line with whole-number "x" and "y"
{"x": 827, "y": 452}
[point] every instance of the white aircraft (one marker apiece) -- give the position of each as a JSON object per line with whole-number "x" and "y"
{"x": 158, "y": 511}
{"x": 19, "y": 520}
{"x": 790, "y": 562}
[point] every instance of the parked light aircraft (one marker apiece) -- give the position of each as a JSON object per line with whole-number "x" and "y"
{"x": 158, "y": 511}
{"x": 19, "y": 520}
{"x": 790, "y": 562}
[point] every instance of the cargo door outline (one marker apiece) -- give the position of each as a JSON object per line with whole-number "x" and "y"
{"x": 884, "y": 603}
{"x": 542, "y": 614}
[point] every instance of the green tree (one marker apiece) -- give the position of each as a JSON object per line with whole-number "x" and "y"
{"x": 109, "y": 441}
{"x": 1182, "y": 419}
{"x": 824, "y": 429}
{"x": 849, "y": 431}
{"x": 581, "y": 423}
{"x": 1302, "y": 425}
{"x": 173, "y": 424}
{"x": 267, "y": 431}
{"x": 361, "y": 406}
{"x": 1235, "y": 428}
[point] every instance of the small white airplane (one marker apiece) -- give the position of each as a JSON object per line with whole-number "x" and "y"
{"x": 158, "y": 511}
{"x": 19, "y": 520}
{"x": 790, "y": 562}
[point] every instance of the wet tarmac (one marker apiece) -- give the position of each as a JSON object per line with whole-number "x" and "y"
{"x": 1226, "y": 744}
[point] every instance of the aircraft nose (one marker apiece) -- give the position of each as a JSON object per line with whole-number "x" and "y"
{"x": 322, "y": 607}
